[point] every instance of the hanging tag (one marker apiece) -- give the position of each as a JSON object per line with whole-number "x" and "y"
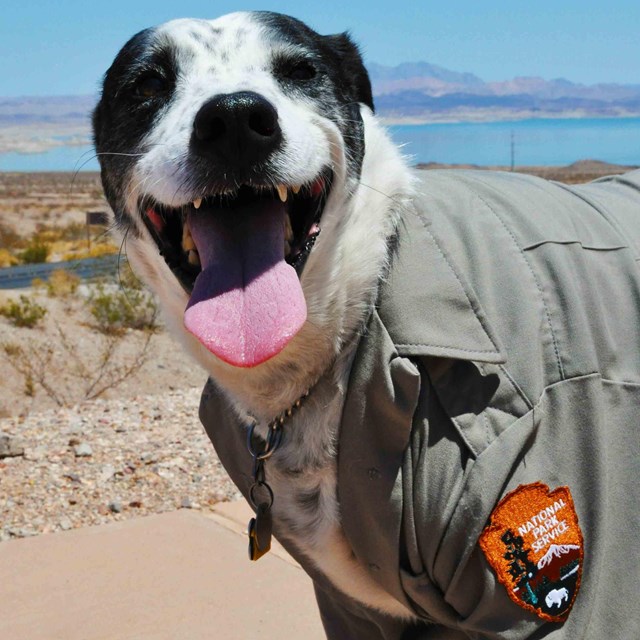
{"x": 260, "y": 529}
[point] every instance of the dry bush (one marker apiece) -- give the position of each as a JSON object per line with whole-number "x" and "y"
{"x": 97, "y": 250}
{"x": 9, "y": 238}
{"x": 114, "y": 311}
{"x": 36, "y": 253}
{"x": 52, "y": 233}
{"x": 62, "y": 283}
{"x": 7, "y": 259}
{"x": 24, "y": 312}
{"x": 66, "y": 374}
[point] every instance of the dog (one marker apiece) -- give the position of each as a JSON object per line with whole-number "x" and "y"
{"x": 420, "y": 383}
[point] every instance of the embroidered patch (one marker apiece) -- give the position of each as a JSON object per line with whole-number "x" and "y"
{"x": 534, "y": 544}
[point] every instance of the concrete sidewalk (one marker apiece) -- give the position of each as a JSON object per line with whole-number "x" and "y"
{"x": 176, "y": 576}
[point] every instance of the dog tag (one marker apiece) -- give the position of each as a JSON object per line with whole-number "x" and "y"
{"x": 260, "y": 529}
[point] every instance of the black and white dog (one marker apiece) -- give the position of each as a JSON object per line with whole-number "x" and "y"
{"x": 237, "y": 148}
{"x": 439, "y": 334}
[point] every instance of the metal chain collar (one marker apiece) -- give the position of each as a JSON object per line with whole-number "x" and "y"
{"x": 260, "y": 493}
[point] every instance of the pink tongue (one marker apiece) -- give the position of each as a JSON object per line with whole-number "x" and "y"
{"x": 247, "y": 302}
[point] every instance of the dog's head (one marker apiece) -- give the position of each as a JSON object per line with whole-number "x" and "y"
{"x": 222, "y": 145}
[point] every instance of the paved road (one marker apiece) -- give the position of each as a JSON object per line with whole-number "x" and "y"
{"x": 21, "y": 277}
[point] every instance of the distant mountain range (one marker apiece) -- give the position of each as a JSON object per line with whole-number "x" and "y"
{"x": 410, "y": 92}
{"x": 423, "y": 92}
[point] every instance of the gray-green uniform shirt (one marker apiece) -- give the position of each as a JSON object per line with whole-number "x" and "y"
{"x": 504, "y": 350}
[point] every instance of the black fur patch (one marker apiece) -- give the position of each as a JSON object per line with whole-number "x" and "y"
{"x": 121, "y": 118}
{"x": 337, "y": 55}
{"x": 340, "y": 83}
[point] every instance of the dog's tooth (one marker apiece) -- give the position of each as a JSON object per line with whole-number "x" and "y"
{"x": 288, "y": 229}
{"x": 194, "y": 258}
{"x": 187, "y": 240}
{"x": 282, "y": 192}
{"x": 296, "y": 189}
{"x": 188, "y": 244}
{"x": 197, "y": 202}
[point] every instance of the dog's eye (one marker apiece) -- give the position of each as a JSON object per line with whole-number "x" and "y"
{"x": 302, "y": 70}
{"x": 150, "y": 87}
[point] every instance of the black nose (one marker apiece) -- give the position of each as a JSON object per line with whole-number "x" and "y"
{"x": 239, "y": 129}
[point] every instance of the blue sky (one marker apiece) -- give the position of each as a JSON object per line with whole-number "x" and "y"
{"x": 49, "y": 48}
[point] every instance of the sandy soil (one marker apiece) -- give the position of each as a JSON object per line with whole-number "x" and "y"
{"x": 31, "y": 199}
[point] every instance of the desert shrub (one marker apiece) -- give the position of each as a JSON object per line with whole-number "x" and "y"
{"x": 97, "y": 250}
{"x": 48, "y": 233}
{"x": 64, "y": 371}
{"x": 35, "y": 253}
{"x": 24, "y": 312}
{"x": 62, "y": 283}
{"x": 7, "y": 259}
{"x": 126, "y": 308}
{"x": 39, "y": 284}
{"x": 9, "y": 239}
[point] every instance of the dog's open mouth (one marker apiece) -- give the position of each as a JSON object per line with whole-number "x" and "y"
{"x": 239, "y": 255}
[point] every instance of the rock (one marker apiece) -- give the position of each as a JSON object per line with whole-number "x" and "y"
{"x": 108, "y": 471}
{"x": 75, "y": 428}
{"x": 115, "y": 506}
{"x": 65, "y": 524}
{"x": 82, "y": 450}
{"x": 35, "y": 453}
{"x": 20, "y": 532}
{"x": 10, "y": 446}
{"x": 185, "y": 503}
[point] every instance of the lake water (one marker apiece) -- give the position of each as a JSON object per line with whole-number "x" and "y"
{"x": 536, "y": 142}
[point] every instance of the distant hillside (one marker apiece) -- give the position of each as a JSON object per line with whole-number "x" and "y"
{"x": 68, "y": 109}
{"x": 420, "y": 91}
{"x": 35, "y": 124}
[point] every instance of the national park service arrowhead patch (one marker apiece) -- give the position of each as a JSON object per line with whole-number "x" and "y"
{"x": 534, "y": 544}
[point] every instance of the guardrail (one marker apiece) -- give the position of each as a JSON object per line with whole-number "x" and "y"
{"x": 88, "y": 268}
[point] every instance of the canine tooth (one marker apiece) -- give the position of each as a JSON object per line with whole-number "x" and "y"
{"x": 188, "y": 244}
{"x": 282, "y": 192}
{"x": 296, "y": 189}
{"x": 197, "y": 202}
{"x": 187, "y": 240}
{"x": 288, "y": 229}
{"x": 194, "y": 258}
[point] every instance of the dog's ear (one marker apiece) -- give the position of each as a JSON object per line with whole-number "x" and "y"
{"x": 353, "y": 75}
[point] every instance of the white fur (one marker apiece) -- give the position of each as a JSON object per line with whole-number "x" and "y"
{"x": 339, "y": 281}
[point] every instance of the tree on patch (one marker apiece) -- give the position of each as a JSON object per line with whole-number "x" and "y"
{"x": 521, "y": 568}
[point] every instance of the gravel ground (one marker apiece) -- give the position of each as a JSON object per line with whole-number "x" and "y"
{"x": 106, "y": 460}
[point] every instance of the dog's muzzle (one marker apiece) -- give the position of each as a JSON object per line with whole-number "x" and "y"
{"x": 239, "y": 246}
